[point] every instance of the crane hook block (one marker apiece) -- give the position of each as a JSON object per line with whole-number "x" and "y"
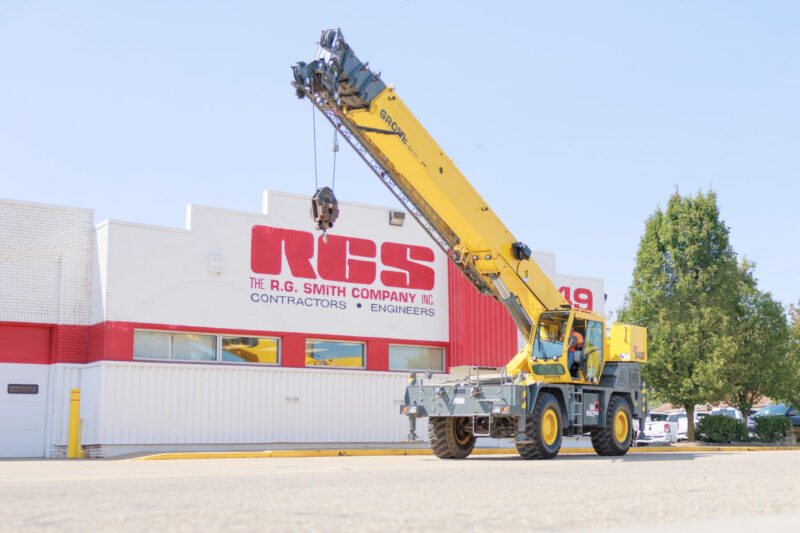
{"x": 324, "y": 208}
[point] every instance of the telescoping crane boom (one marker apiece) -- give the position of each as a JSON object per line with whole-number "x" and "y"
{"x": 572, "y": 376}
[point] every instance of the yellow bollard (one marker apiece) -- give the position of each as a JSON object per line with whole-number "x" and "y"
{"x": 74, "y": 416}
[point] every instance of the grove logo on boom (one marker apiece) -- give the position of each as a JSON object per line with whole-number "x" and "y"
{"x": 393, "y": 125}
{"x": 343, "y": 259}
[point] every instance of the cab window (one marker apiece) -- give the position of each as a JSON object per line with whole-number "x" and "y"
{"x": 593, "y": 348}
{"x": 549, "y": 340}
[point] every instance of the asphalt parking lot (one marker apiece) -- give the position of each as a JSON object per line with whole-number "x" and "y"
{"x": 695, "y": 491}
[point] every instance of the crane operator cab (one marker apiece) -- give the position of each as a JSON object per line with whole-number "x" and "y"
{"x": 575, "y": 344}
{"x": 574, "y": 341}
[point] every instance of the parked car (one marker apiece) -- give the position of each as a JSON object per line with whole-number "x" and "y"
{"x": 657, "y": 429}
{"x": 727, "y": 411}
{"x": 775, "y": 409}
{"x": 699, "y": 416}
{"x": 683, "y": 424}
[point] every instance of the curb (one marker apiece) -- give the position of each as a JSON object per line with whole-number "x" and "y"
{"x": 274, "y": 454}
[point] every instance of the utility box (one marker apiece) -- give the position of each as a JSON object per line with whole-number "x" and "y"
{"x": 591, "y": 408}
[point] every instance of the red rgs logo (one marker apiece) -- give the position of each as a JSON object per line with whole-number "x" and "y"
{"x": 336, "y": 259}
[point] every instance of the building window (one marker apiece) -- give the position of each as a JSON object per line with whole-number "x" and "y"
{"x": 176, "y": 346}
{"x": 151, "y": 345}
{"x": 335, "y": 353}
{"x": 250, "y": 350}
{"x": 416, "y": 358}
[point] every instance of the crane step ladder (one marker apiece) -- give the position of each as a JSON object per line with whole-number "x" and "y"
{"x": 576, "y": 411}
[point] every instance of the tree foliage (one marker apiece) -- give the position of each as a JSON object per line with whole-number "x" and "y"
{"x": 685, "y": 289}
{"x": 758, "y": 366}
{"x": 712, "y": 335}
{"x": 791, "y": 392}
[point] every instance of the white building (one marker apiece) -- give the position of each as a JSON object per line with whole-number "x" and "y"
{"x": 241, "y": 330}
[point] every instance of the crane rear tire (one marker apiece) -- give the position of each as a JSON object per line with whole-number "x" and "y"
{"x": 543, "y": 428}
{"x": 614, "y": 439}
{"x": 450, "y": 436}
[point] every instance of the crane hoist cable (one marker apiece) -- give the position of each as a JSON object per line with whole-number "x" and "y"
{"x": 324, "y": 206}
{"x": 334, "y": 149}
{"x": 314, "y": 135}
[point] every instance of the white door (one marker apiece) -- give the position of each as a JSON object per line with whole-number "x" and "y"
{"x": 23, "y": 405}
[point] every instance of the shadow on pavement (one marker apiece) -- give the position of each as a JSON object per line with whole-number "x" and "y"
{"x": 636, "y": 457}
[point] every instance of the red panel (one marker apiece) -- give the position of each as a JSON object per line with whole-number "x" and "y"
{"x": 25, "y": 344}
{"x": 482, "y": 332}
{"x": 97, "y": 341}
{"x": 111, "y": 341}
{"x": 293, "y": 350}
{"x": 378, "y": 354}
{"x": 71, "y": 344}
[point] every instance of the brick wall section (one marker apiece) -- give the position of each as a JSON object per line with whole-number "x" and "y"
{"x": 110, "y": 341}
{"x": 71, "y": 344}
{"x": 45, "y": 263}
{"x": 97, "y": 341}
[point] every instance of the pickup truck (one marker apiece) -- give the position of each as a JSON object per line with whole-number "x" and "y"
{"x": 658, "y": 429}
{"x": 683, "y": 424}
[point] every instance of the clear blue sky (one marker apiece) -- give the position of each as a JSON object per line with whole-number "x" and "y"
{"x": 574, "y": 120}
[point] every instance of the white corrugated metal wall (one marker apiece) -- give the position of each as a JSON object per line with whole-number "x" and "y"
{"x": 159, "y": 403}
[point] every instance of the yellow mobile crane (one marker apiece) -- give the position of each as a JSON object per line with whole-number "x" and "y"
{"x": 572, "y": 377}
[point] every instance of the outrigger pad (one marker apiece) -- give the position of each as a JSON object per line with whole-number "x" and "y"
{"x": 324, "y": 208}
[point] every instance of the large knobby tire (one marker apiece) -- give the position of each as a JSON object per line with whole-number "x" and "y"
{"x": 543, "y": 428}
{"x": 450, "y": 437}
{"x": 615, "y": 438}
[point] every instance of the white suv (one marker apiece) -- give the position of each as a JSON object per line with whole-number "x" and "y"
{"x": 727, "y": 411}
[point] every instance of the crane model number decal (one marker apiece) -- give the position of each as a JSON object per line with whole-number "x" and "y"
{"x": 393, "y": 126}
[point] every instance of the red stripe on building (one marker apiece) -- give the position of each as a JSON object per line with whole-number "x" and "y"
{"x": 113, "y": 341}
{"x": 71, "y": 344}
{"x": 25, "y": 343}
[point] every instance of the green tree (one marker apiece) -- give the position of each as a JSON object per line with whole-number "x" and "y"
{"x": 791, "y": 392}
{"x": 758, "y": 366}
{"x": 684, "y": 289}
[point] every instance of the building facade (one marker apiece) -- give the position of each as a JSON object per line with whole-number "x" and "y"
{"x": 241, "y": 329}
